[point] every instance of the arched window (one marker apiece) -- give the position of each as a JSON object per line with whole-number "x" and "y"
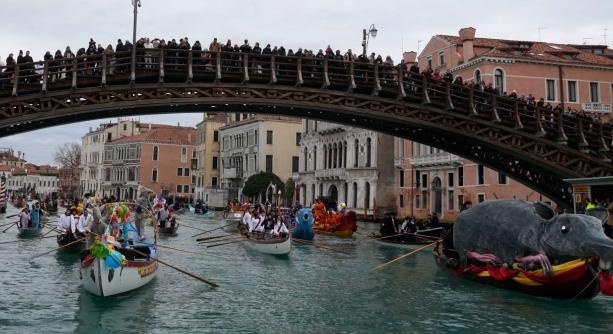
{"x": 312, "y": 193}
{"x": 155, "y": 153}
{"x": 326, "y": 156}
{"x": 345, "y": 154}
{"x": 368, "y": 152}
{"x": 499, "y": 80}
{"x": 330, "y": 156}
{"x": 355, "y": 195}
{"x": 477, "y": 76}
{"x": 356, "y": 148}
{"x": 315, "y": 158}
{"x": 340, "y": 155}
{"x": 345, "y": 195}
{"x": 334, "y": 156}
{"x": 305, "y": 159}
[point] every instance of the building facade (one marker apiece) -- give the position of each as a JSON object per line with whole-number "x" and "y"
{"x": 8, "y": 157}
{"x": 207, "y": 176}
{"x": 348, "y": 165}
{"x": 157, "y": 160}
{"x": 68, "y": 182}
{"x": 258, "y": 143}
{"x": 33, "y": 180}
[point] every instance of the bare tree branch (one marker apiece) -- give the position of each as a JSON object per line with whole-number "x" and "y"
{"x": 68, "y": 155}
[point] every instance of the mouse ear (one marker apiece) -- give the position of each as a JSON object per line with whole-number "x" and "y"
{"x": 544, "y": 210}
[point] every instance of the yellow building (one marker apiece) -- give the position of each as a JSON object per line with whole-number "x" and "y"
{"x": 208, "y": 163}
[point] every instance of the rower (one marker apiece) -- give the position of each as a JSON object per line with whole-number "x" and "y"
{"x": 247, "y": 217}
{"x": 280, "y": 230}
{"x": 163, "y": 216}
{"x": 85, "y": 220}
{"x": 389, "y": 225}
{"x": 35, "y": 216}
{"x": 64, "y": 223}
{"x": 256, "y": 223}
{"x": 24, "y": 217}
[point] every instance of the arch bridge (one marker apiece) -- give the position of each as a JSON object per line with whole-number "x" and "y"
{"x": 534, "y": 146}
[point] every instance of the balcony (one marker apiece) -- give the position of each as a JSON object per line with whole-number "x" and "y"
{"x": 331, "y": 174}
{"x": 438, "y": 159}
{"x": 399, "y": 163}
{"x": 232, "y": 173}
{"x": 596, "y": 107}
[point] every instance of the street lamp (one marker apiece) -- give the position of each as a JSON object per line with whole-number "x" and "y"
{"x": 372, "y": 31}
{"x": 136, "y": 4}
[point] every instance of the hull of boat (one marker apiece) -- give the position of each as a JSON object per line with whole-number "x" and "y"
{"x": 168, "y": 230}
{"x": 65, "y": 239}
{"x": 571, "y": 280}
{"x": 340, "y": 234}
{"x": 29, "y": 232}
{"x": 103, "y": 281}
{"x": 272, "y": 247}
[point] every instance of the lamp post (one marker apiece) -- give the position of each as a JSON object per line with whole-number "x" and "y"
{"x": 135, "y": 4}
{"x": 366, "y": 34}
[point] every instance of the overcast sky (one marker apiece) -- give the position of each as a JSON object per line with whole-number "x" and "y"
{"x": 41, "y": 25}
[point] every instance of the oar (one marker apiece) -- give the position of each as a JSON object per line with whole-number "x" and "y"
{"x": 42, "y": 236}
{"x": 225, "y": 243}
{"x": 309, "y": 242}
{"x": 215, "y": 229}
{"x": 216, "y": 237}
{"x": 8, "y": 224}
{"x": 12, "y": 241}
{"x": 10, "y": 227}
{"x": 222, "y": 239}
{"x": 51, "y": 227}
{"x": 56, "y": 249}
{"x": 213, "y": 284}
{"x": 402, "y": 256}
{"x": 195, "y": 228}
{"x": 11, "y": 216}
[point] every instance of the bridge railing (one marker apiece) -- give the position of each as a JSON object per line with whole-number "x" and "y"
{"x": 169, "y": 65}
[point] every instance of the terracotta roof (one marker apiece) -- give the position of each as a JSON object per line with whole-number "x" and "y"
{"x": 163, "y": 135}
{"x": 540, "y": 51}
{"x": 8, "y": 168}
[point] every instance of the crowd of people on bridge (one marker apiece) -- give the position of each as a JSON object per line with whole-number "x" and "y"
{"x": 119, "y": 56}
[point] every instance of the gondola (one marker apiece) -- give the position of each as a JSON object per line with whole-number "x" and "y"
{"x": 575, "y": 279}
{"x": 68, "y": 238}
{"x": 411, "y": 241}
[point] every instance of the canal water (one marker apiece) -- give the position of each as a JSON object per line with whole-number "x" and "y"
{"x": 312, "y": 291}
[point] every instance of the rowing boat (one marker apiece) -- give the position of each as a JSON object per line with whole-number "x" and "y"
{"x": 411, "y": 241}
{"x": 103, "y": 280}
{"x": 68, "y": 238}
{"x": 169, "y": 229}
{"x": 280, "y": 246}
{"x": 30, "y": 232}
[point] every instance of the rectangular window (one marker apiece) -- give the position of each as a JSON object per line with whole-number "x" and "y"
{"x": 417, "y": 179}
{"x": 572, "y": 91}
{"x": 594, "y": 96}
{"x": 424, "y": 181}
{"x": 551, "y": 90}
{"x": 214, "y": 181}
{"x": 441, "y": 58}
{"x": 460, "y": 176}
{"x": 183, "y": 154}
{"x": 215, "y": 162}
{"x": 480, "y": 175}
{"x": 269, "y": 137}
{"x": 401, "y": 201}
{"x": 186, "y": 188}
{"x": 502, "y": 178}
{"x": 450, "y": 180}
{"x": 295, "y": 163}
{"x": 298, "y": 137}
{"x": 186, "y": 172}
{"x": 417, "y": 201}
{"x": 269, "y": 164}
{"x": 215, "y": 136}
{"x": 179, "y": 188}
{"x": 424, "y": 199}
{"x": 480, "y": 197}
{"x": 179, "y": 171}
{"x": 460, "y": 201}
{"x": 154, "y": 175}
{"x": 429, "y": 61}
{"x": 450, "y": 200}
{"x": 155, "y": 153}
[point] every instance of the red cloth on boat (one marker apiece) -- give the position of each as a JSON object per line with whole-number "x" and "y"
{"x": 606, "y": 283}
{"x": 560, "y": 278}
{"x": 501, "y": 273}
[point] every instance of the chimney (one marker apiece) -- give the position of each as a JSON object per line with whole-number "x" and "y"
{"x": 409, "y": 57}
{"x": 467, "y": 37}
{"x": 18, "y": 154}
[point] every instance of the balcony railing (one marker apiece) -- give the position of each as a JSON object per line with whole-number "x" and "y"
{"x": 331, "y": 174}
{"x": 232, "y": 173}
{"x": 596, "y": 107}
{"x": 436, "y": 159}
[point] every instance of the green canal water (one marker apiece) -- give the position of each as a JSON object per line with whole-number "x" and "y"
{"x": 312, "y": 291}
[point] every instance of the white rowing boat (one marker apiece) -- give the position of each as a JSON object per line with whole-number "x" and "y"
{"x": 272, "y": 246}
{"x": 103, "y": 281}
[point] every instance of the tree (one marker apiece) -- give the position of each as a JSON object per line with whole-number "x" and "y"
{"x": 68, "y": 155}
{"x": 257, "y": 184}
{"x": 289, "y": 192}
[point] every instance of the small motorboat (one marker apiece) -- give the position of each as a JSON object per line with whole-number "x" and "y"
{"x": 412, "y": 241}
{"x": 106, "y": 277}
{"x": 275, "y": 246}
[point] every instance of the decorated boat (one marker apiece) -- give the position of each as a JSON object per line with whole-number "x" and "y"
{"x": 275, "y": 246}
{"x": 233, "y": 220}
{"x": 526, "y": 247}
{"x": 304, "y": 225}
{"x": 411, "y": 240}
{"x": 341, "y": 225}
{"x": 107, "y": 270}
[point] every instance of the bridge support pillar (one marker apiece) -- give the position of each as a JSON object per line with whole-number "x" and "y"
{"x": 472, "y": 111}
{"x": 540, "y": 131}
{"x": 245, "y": 68}
{"x": 562, "y": 139}
{"x": 377, "y": 82}
{"x": 190, "y": 66}
{"x": 425, "y": 97}
{"x": 583, "y": 144}
{"x": 218, "y": 66}
{"x": 516, "y": 116}
{"x": 74, "y": 73}
{"x": 448, "y": 100}
{"x": 104, "y": 69}
{"x": 45, "y": 76}
{"x": 16, "y": 80}
{"x": 326, "y": 78}
{"x": 273, "y": 70}
{"x": 603, "y": 147}
{"x": 401, "y": 93}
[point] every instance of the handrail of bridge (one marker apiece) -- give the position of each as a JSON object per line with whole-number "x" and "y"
{"x": 168, "y": 65}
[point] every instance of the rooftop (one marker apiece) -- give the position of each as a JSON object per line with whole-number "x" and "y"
{"x": 164, "y": 135}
